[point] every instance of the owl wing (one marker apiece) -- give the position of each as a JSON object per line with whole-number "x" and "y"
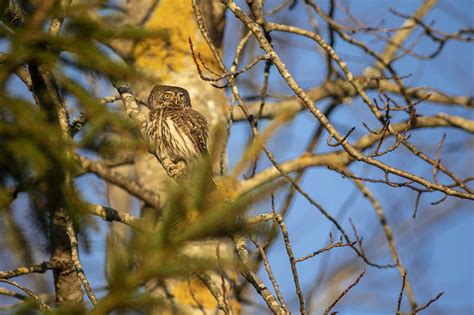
{"x": 197, "y": 127}
{"x": 180, "y": 132}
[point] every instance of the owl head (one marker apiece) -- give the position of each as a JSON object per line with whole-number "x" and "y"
{"x": 168, "y": 96}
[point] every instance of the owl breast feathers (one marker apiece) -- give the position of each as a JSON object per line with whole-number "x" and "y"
{"x": 177, "y": 131}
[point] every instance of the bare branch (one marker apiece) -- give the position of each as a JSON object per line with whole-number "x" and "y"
{"x": 388, "y": 234}
{"x": 322, "y": 250}
{"x": 115, "y": 178}
{"x": 278, "y": 219}
{"x": 215, "y": 291}
{"x": 344, "y": 293}
{"x": 40, "y": 268}
{"x": 271, "y": 276}
{"x": 340, "y": 89}
{"x": 400, "y": 296}
{"x": 340, "y": 159}
{"x": 42, "y": 305}
{"x": 436, "y": 298}
{"x": 76, "y": 261}
{"x": 407, "y": 28}
{"x": 111, "y": 215}
{"x": 253, "y": 279}
{"x": 352, "y": 151}
{"x": 17, "y": 295}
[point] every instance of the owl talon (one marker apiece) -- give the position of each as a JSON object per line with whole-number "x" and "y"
{"x": 177, "y": 169}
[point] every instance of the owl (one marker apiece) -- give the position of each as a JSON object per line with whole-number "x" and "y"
{"x": 177, "y": 131}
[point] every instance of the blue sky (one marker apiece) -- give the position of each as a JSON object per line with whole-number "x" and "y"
{"x": 438, "y": 259}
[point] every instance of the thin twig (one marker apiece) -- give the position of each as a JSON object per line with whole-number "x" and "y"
{"x": 329, "y": 308}
{"x": 42, "y": 305}
{"x": 436, "y": 159}
{"x": 400, "y": 295}
{"x": 351, "y": 150}
{"x": 253, "y": 279}
{"x": 322, "y": 250}
{"x": 215, "y": 291}
{"x": 270, "y": 274}
{"x": 278, "y": 219}
{"x": 75, "y": 259}
{"x": 436, "y": 298}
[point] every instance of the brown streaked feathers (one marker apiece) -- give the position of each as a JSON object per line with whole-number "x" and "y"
{"x": 177, "y": 130}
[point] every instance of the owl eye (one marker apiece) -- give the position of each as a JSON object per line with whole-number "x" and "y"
{"x": 181, "y": 96}
{"x": 167, "y": 96}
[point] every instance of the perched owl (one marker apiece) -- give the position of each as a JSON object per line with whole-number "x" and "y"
{"x": 178, "y": 131}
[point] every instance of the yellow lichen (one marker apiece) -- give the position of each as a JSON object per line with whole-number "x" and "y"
{"x": 170, "y": 52}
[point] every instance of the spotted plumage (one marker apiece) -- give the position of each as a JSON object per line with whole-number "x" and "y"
{"x": 178, "y": 132}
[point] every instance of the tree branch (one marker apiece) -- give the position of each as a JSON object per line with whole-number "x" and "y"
{"x": 20, "y": 271}
{"x": 340, "y": 159}
{"x": 125, "y": 183}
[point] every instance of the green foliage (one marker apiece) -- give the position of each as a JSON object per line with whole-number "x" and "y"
{"x": 38, "y": 148}
{"x": 36, "y": 154}
{"x": 36, "y": 151}
{"x": 161, "y": 247}
{"x": 27, "y": 140}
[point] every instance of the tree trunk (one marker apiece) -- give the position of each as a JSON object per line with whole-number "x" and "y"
{"x": 169, "y": 61}
{"x": 66, "y": 281}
